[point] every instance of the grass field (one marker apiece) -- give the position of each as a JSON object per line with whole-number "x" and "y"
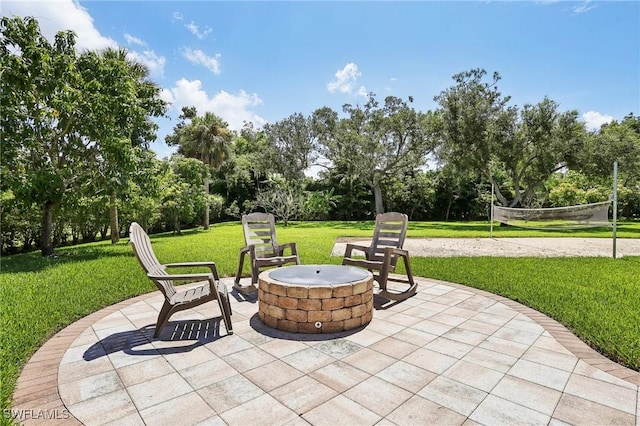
{"x": 597, "y": 298}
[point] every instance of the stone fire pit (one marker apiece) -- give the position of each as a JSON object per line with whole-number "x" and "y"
{"x": 315, "y": 298}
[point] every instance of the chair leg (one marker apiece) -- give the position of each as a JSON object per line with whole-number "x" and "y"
{"x": 255, "y": 271}
{"x": 248, "y": 289}
{"x": 384, "y": 273}
{"x": 163, "y": 317}
{"x": 400, "y": 295}
{"x": 407, "y": 268}
{"x": 225, "y": 307}
{"x": 240, "y": 265}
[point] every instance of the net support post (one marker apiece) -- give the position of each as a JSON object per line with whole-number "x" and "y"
{"x": 491, "y": 213}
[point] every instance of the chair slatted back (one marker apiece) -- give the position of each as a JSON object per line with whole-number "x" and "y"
{"x": 391, "y": 230}
{"x": 260, "y": 231}
{"x": 147, "y": 258}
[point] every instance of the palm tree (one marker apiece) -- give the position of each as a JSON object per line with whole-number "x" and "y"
{"x": 208, "y": 139}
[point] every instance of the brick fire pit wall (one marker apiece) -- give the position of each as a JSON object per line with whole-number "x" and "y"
{"x": 315, "y": 308}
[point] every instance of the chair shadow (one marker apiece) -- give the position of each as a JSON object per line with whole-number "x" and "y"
{"x": 200, "y": 332}
{"x": 381, "y": 303}
{"x": 241, "y": 297}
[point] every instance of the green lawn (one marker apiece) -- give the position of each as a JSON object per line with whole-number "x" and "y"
{"x": 597, "y": 298}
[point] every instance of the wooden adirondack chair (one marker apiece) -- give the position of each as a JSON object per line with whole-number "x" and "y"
{"x": 382, "y": 255}
{"x": 174, "y": 301}
{"x": 262, "y": 247}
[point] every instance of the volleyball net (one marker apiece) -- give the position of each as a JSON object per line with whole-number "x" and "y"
{"x": 594, "y": 215}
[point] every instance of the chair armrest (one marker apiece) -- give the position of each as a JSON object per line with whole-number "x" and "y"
{"x": 180, "y": 277}
{"x": 210, "y": 265}
{"x": 350, "y": 247}
{"x": 290, "y": 246}
{"x": 396, "y": 251}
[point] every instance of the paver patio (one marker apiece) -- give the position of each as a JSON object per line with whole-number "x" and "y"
{"x": 449, "y": 355}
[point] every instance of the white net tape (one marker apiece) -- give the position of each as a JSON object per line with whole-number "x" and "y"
{"x": 593, "y": 215}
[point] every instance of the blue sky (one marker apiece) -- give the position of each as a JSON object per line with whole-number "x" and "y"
{"x": 263, "y": 61}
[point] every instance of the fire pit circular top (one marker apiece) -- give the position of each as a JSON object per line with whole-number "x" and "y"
{"x": 315, "y": 275}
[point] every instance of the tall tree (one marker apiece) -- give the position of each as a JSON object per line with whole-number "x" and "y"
{"x": 615, "y": 141}
{"x": 481, "y": 134}
{"x": 206, "y": 138}
{"x": 374, "y": 143}
{"x": 292, "y": 147}
{"x": 239, "y": 178}
{"x": 183, "y": 194}
{"x": 63, "y": 113}
{"x": 133, "y": 99}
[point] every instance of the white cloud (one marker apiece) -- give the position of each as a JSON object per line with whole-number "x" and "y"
{"x": 152, "y": 61}
{"x": 195, "y": 30}
{"x": 177, "y": 16}
{"x": 362, "y": 91}
{"x": 235, "y": 109}
{"x": 61, "y": 15}
{"x": 201, "y": 58}
{"x": 133, "y": 40}
{"x": 346, "y": 80}
{"x": 583, "y": 8}
{"x": 593, "y": 120}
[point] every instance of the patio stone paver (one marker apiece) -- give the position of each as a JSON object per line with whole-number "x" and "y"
{"x": 339, "y": 376}
{"x": 407, "y": 376}
{"x": 378, "y": 395}
{"x": 169, "y": 412}
{"x": 611, "y": 395}
{"x": 90, "y": 387}
{"x": 109, "y": 407}
{"x": 575, "y": 410}
{"x": 474, "y": 375}
{"x": 449, "y": 355}
{"x": 341, "y": 410}
{"x": 495, "y": 410}
{"x": 528, "y": 394}
{"x": 544, "y": 375}
{"x": 453, "y": 395}
{"x": 264, "y": 410}
{"x": 303, "y": 394}
{"x": 421, "y": 411}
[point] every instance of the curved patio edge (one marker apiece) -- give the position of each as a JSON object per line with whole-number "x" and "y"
{"x": 36, "y": 394}
{"x": 563, "y": 335}
{"x": 36, "y": 398}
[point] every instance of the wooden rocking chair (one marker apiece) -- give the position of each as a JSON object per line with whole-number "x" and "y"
{"x": 263, "y": 249}
{"x": 210, "y": 289}
{"x": 382, "y": 255}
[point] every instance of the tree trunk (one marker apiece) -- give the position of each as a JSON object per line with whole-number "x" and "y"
{"x": 206, "y": 206}
{"x": 104, "y": 230}
{"x": 501, "y": 199}
{"x": 176, "y": 225}
{"x": 113, "y": 218}
{"x": 377, "y": 196}
{"x": 46, "y": 243}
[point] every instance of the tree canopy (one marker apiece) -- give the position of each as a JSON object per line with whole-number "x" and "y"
{"x": 64, "y": 113}
{"x": 76, "y": 163}
{"x": 291, "y": 147}
{"x": 482, "y": 134}
{"x": 374, "y": 143}
{"x": 206, "y": 138}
